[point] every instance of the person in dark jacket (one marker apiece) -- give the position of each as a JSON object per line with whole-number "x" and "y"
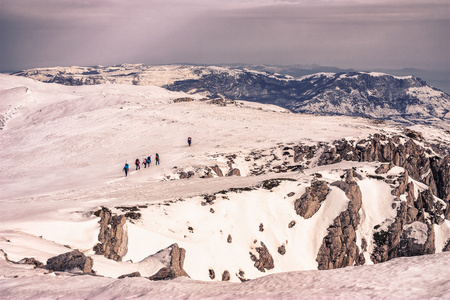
{"x": 189, "y": 141}
{"x": 126, "y": 168}
{"x": 138, "y": 164}
{"x": 157, "y": 159}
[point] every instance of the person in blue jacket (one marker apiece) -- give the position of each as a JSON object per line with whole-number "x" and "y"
{"x": 125, "y": 168}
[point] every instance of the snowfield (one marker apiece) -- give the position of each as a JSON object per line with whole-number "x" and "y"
{"x": 62, "y": 154}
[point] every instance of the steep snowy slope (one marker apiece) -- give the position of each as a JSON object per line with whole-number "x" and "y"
{"x": 261, "y": 190}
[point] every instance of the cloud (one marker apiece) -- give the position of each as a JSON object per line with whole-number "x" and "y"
{"x": 346, "y": 33}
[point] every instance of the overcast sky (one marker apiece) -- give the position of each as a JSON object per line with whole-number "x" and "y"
{"x": 343, "y": 33}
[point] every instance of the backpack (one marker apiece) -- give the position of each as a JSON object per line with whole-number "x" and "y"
{"x": 126, "y": 167}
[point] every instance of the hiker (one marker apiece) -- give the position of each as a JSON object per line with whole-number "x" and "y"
{"x": 149, "y": 160}
{"x": 189, "y": 141}
{"x": 157, "y": 159}
{"x": 138, "y": 164}
{"x": 144, "y": 162}
{"x": 125, "y": 168}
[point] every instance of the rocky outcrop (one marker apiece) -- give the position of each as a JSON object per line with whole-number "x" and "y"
{"x": 134, "y": 274}
{"x": 234, "y": 172}
{"x": 113, "y": 238}
{"x": 309, "y": 203}
{"x": 417, "y": 239}
{"x": 74, "y": 261}
{"x": 264, "y": 261}
{"x": 217, "y": 170}
{"x": 31, "y": 261}
{"x": 420, "y": 162}
{"x": 339, "y": 247}
{"x": 175, "y": 262}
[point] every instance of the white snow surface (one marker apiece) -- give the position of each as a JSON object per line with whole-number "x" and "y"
{"x": 63, "y": 150}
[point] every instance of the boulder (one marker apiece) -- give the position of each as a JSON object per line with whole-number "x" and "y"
{"x": 226, "y": 276}
{"x": 74, "y": 261}
{"x": 417, "y": 239}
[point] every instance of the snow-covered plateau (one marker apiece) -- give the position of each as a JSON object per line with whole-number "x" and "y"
{"x": 265, "y": 203}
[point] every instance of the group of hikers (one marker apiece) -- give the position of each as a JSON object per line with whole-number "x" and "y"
{"x": 147, "y": 161}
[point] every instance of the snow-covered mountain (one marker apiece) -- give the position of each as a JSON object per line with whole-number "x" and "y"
{"x": 406, "y": 100}
{"x": 261, "y": 191}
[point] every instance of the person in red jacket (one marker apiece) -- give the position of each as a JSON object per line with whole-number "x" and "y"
{"x": 138, "y": 164}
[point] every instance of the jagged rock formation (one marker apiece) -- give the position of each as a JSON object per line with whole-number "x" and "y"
{"x": 113, "y": 238}
{"x": 265, "y": 260}
{"x": 175, "y": 262}
{"x": 74, "y": 261}
{"x": 309, "y": 203}
{"x": 226, "y": 275}
{"x": 339, "y": 247}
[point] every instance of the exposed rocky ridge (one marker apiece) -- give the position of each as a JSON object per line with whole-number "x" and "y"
{"x": 405, "y": 99}
{"x": 339, "y": 247}
{"x": 113, "y": 238}
{"x": 264, "y": 261}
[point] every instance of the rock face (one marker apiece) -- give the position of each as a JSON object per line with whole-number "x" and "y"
{"x": 174, "y": 266}
{"x": 310, "y": 201}
{"x": 417, "y": 239}
{"x": 339, "y": 247}
{"x": 420, "y": 163}
{"x": 217, "y": 170}
{"x": 113, "y": 238}
{"x": 265, "y": 260}
{"x": 74, "y": 261}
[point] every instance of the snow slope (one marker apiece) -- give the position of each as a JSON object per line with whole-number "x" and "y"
{"x": 63, "y": 149}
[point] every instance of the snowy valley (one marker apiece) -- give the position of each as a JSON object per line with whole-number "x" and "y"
{"x": 262, "y": 200}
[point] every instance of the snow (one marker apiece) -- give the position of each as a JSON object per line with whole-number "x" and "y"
{"x": 417, "y": 231}
{"x": 63, "y": 149}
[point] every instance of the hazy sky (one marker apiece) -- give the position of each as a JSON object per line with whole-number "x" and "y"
{"x": 343, "y": 33}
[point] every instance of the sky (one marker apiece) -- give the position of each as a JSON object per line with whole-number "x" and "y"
{"x": 343, "y": 33}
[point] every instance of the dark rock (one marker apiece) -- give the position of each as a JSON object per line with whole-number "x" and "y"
{"x": 113, "y": 238}
{"x": 234, "y": 172}
{"x": 31, "y": 261}
{"x": 217, "y": 170}
{"x": 291, "y": 194}
{"x": 226, "y": 276}
{"x": 133, "y": 215}
{"x": 417, "y": 239}
{"x": 339, "y": 247}
{"x": 229, "y": 239}
{"x": 291, "y": 224}
{"x": 311, "y": 200}
{"x": 212, "y": 274}
{"x": 447, "y": 246}
{"x": 74, "y": 261}
{"x": 265, "y": 260}
{"x": 175, "y": 265}
{"x": 261, "y": 227}
{"x": 282, "y": 250}
{"x": 384, "y": 168}
{"x": 134, "y": 274}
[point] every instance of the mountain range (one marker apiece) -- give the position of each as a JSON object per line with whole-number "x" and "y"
{"x": 405, "y": 100}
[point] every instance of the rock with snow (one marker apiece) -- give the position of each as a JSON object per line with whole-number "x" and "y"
{"x": 174, "y": 260}
{"x": 113, "y": 239}
{"x": 309, "y": 203}
{"x": 74, "y": 261}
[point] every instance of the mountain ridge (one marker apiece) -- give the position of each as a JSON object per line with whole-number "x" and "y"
{"x": 400, "y": 99}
